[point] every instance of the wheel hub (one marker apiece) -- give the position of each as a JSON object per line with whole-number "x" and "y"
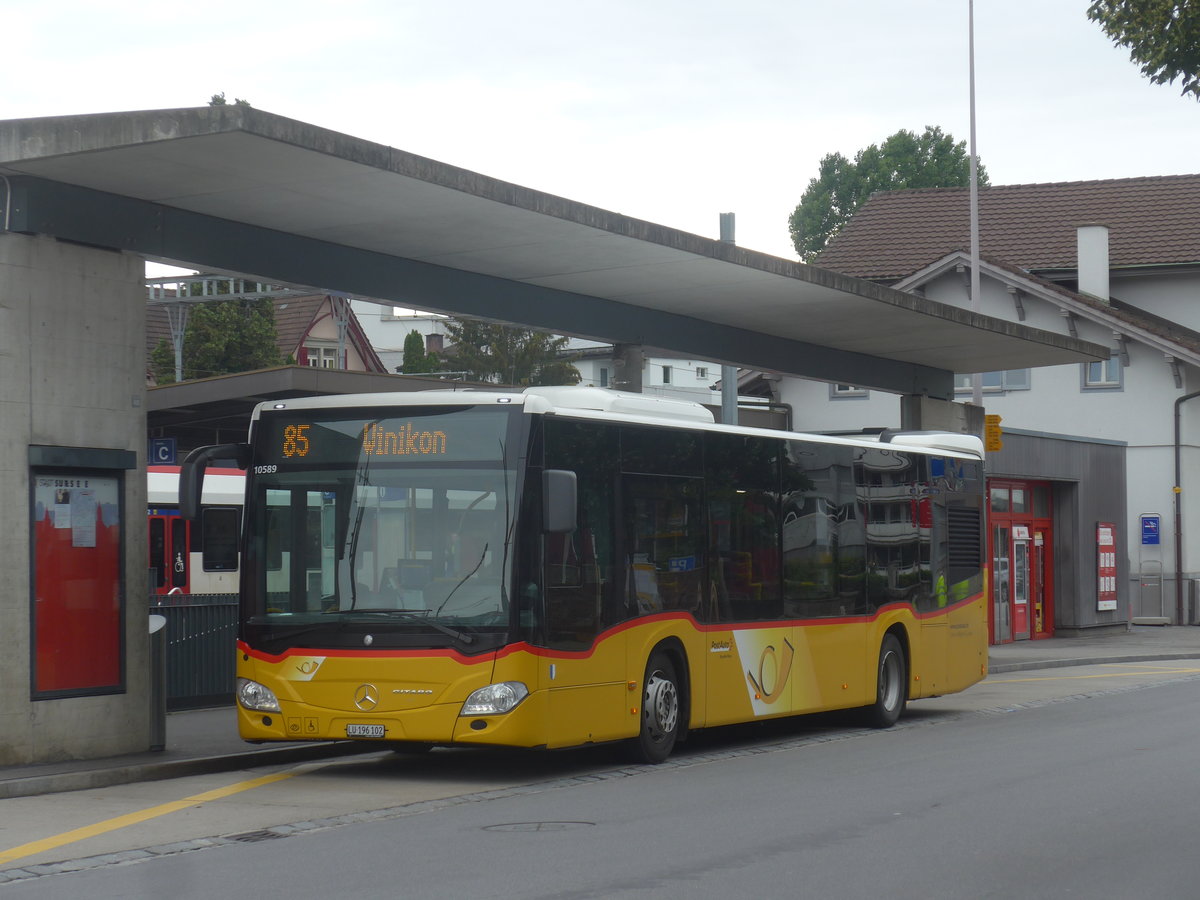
{"x": 662, "y": 706}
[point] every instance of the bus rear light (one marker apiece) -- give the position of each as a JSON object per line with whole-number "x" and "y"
{"x": 253, "y": 695}
{"x": 495, "y": 699}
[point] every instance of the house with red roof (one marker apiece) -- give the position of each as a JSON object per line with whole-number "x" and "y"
{"x": 1088, "y": 529}
{"x": 318, "y": 330}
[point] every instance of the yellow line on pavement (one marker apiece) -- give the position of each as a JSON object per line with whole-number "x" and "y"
{"x": 1124, "y": 673}
{"x": 80, "y": 834}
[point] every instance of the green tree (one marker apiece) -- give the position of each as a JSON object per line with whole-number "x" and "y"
{"x": 1163, "y": 37}
{"x": 508, "y": 354}
{"x": 416, "y": 360}
{"x": 221, "y": 337}
{"x": 904, "y": 160}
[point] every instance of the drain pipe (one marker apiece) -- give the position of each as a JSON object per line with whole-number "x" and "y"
{"x": 1179, "y": 401}
{"x": 7, "y": 201}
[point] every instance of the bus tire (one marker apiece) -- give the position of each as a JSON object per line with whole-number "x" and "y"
{"x": 891, "y": 685}
{"x": 661, "y": 709}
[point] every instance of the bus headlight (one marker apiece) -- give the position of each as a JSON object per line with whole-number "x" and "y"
{"x": 495, "y": 699}
{"x": 253, "y": 695}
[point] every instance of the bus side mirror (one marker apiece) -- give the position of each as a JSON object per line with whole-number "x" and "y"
{"x": 191, "y": 473}
{"x": 559, "y": 501}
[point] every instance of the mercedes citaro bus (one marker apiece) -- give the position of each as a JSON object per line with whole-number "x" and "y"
{"x": 568, "y": 566}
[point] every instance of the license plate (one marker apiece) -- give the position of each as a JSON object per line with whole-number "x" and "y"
{"x": 365, "y": 731}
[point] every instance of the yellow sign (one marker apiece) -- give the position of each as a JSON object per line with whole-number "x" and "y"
{"x": 991, "y": 434}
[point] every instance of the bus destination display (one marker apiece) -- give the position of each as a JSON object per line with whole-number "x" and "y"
{"x": 459, "y": 435}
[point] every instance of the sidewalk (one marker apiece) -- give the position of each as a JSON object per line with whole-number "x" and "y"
{"x": 1140, "y": 643}
{"x": 206, "y": 740}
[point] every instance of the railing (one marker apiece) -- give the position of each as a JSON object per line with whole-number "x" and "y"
{"x": 201, "y": 634}
{"x": 1151, "y": 598}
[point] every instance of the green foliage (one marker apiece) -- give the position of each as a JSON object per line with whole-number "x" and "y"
{"x": 509, "y": 355}
{"x": 219, "y": 100}
{"x": 416, "y": 360}
{"x": 1163, "y": 37}
{"x": 221, "y": 338}
{"x": 904, "y": 160}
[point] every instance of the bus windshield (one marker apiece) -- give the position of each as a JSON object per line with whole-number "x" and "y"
{"x": 396, "y": 520}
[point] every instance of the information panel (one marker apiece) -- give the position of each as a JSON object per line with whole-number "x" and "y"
{"x": 77, "y": 582}
{"x": 1106, "y": 566}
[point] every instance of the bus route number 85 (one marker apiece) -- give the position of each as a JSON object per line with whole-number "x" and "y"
{"x": 295, "y": 441}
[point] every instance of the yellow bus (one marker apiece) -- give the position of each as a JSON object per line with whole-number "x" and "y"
{"x": 568, "y": 566}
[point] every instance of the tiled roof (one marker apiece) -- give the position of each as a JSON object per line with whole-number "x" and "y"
{"x": 1151, "y": 221}
{"x": 293, "y": 317}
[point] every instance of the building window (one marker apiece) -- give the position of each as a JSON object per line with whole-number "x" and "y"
{"x": 701, "y": 372}
{"x": 995, "y": 382}
{"x": 845, "y": 391}
{"x": 666, "y": 374}
{"x": 1103, "y": 376}
{"x": 603, "y": 376}
{"x": 322, "y": 357}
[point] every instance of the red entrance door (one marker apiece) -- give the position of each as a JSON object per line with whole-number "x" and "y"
{"x": 1022, "y": 558}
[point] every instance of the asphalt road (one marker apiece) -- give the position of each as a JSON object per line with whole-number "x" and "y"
{"x": 1034, "y": 784}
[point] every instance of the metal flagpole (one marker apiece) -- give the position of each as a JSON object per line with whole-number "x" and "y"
{"x": 976, "y": 378}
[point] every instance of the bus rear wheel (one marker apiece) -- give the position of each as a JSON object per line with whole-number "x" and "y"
{"x": 891, "y": 694}
{"x": 660, "y": 711}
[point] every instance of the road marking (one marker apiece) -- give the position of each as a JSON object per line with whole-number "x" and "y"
{"x": 134, "y": 818}
{"x": 1124, "y": 673}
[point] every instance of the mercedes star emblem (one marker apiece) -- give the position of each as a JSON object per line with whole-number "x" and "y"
{"x": 366, "y": 697}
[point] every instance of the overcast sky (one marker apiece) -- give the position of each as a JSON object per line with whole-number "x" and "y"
{"x": 665, "y": 110}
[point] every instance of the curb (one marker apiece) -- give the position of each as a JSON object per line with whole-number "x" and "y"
{"x": 1024, "y": 666}
{"x": 83, "y": 779}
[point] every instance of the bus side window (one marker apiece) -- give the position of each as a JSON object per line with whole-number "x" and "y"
{"x": 664, "y": 544}
{"x": 744, "y": 528}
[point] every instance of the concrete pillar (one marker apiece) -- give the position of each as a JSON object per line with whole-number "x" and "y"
{"x": 920, "y": 413}
{"x": 628, "y": 362}
{"x": 72, "y": 379}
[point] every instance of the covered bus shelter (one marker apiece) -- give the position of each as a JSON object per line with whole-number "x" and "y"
{"x": 86, "y": 199}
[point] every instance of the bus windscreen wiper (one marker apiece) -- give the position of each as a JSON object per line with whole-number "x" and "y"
{"x": 415, "y": 617}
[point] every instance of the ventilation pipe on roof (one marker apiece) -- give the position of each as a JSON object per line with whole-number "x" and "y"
{"x": 1092, "y": 260}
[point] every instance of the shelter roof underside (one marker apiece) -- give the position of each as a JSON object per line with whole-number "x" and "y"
{"x": 322, "y": 209}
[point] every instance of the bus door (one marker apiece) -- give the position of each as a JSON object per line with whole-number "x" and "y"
{"x": 587, "y": 691}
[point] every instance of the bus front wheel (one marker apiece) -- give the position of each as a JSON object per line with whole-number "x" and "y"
{"x": 660, "y": 710}
{"x": 891, "y": 686}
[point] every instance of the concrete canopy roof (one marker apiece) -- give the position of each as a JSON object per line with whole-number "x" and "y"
{"x": 246, "y": 191}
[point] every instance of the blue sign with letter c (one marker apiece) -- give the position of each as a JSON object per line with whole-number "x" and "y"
{"x": 162, "y": 451}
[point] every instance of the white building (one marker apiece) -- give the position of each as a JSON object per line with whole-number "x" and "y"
{"x": 387, "y": 327}
{"x": 1115, "y": 262}
{"x": 679, "y": 379}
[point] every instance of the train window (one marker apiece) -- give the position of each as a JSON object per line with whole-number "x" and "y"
{"x": 219, "y": 525}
